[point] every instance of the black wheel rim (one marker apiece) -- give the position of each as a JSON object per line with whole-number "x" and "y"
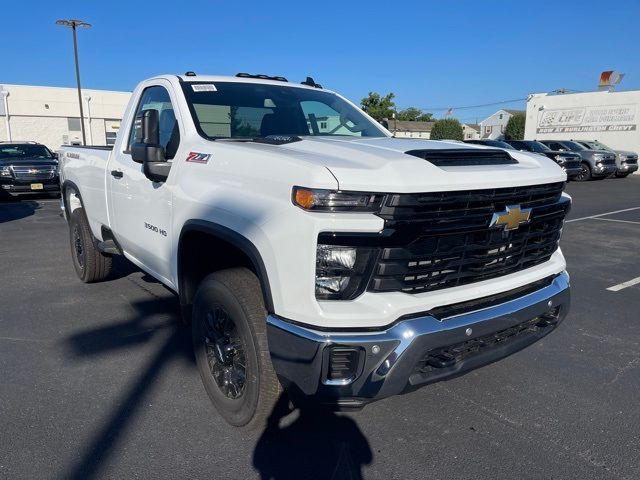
{"x": 225, "y": 353}
{"x": 584, "y": 172}
{"x": 78, "y": 246}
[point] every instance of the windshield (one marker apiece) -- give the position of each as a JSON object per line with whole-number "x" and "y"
{"x": 537, "y": 146}
{"x": 596, "y": 146}
{"x": 24, "y": 151}
{"x": 573, "y": 146}
{"x": 499, "y": 144}
{"x": 248, "y": 110}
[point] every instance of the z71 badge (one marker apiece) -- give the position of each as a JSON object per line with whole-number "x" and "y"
{"x": 196, "y": 157}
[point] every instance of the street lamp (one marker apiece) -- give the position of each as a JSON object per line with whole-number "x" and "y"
{"x": 73, "y": 25}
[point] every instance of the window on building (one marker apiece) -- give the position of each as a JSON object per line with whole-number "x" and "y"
{"x": 73, "y": 124}
{"x": 500, "y": 116}
{"x": 111, "y": 138}
{"x": 487, "y": 129}
{"x": 323, "y": 125}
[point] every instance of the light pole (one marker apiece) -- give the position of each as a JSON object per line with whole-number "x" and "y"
{"x": 5, "y": 94}
{"x": 73, "y": 25}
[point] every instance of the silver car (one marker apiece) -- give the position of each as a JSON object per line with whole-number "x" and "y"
{"x": 626, "y": 161}
{"x": 596, "y": 164}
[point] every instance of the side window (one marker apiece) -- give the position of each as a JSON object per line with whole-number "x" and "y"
{"x": 157, "y": 98}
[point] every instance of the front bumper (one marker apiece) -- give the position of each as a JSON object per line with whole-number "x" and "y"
{"x": 601, "y": 169}
{"x": 412, "y": 352}
{"x": 628, "y": 168}
{"x": 13, "y": 186}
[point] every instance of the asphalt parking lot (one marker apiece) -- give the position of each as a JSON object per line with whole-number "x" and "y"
{"x": 98, "y": 381}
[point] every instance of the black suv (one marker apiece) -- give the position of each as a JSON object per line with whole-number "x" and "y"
{"x": 569, "y": 161}
{"x": 27, "y": 167}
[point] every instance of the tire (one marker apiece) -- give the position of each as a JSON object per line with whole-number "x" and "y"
{"x": 229, "y": 331}
{"x": 585, "y": 173}
{"x": 91, "y": 264}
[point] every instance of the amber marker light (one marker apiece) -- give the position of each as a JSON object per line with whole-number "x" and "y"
{"x": 304, "y": 198}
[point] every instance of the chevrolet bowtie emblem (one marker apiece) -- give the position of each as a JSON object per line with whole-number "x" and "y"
{"x": 33, "y": 170}
{"x": 511, "y": 218}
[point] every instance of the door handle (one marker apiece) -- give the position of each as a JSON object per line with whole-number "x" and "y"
{"x": 117, "y": 174}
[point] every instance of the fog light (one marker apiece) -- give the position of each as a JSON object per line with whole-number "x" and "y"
{"x": 331, "y": 285}
{"x": 342, "y": 365}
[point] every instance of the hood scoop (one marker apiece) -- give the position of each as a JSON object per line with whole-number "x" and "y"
{"x": 463, "y": 157}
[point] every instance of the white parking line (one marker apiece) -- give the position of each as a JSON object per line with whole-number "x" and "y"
{"x": 615, "y": 220}
{"x": 622, "y": 285}
{"x": 602, "y": 214}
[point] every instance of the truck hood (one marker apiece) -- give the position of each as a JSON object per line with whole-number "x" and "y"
{"x": 381, "y": 164}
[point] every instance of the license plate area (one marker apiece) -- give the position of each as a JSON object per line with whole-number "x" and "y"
{"x": 36, "y": 186}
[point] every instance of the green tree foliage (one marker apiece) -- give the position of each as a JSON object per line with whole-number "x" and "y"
{"x": 415, "y": 115}
{"x": 377, "y": 106}
{"x": 447, "y": 129}
{"x": 515, "y": 127}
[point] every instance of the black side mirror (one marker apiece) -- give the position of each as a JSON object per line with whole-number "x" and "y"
{"x": 147, "y": 149}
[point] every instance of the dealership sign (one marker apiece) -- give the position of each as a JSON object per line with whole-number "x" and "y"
{"x": 608, "y": 118}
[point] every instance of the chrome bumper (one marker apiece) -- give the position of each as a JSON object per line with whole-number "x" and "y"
{"x": 390, "y": 360}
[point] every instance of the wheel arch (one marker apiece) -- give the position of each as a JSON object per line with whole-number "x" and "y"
{"x": 226, "y": 248}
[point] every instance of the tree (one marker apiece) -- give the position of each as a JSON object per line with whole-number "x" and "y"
{"x": 414, "y": 115}
{"x": 515, "y": 127}
{"x": 426, "y": 117}
{"x": 377, "y": 106}
{"x": 447, "y": 129}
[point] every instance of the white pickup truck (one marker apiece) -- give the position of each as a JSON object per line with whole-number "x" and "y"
{"x": 310, "y": 249}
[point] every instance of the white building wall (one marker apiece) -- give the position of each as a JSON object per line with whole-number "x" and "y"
{"x": 40, "y": 113}
{"x": 612, "y": 118}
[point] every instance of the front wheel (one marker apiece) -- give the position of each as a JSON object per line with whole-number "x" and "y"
{"x": 585, "y": 173}
{"x": 229, "y": 334}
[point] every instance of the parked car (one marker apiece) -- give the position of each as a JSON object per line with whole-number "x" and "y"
{"x": 596, "y": 164}
{"x": 491, "y": 143}
{"x": 27, "y": 167}
{"x": 568, "y": 161}
{"x": 342, "y": 264}
{"x": 626, "y": 161}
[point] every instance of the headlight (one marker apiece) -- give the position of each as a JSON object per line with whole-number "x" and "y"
{"x": 341, "y": 272}
{"x": 5, "y": 172}
{"x": 598, "y": 157}
{"x": 560, "y": 159}
{"x": 335, "y": 201}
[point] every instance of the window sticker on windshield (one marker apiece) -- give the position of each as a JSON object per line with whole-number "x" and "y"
{"x": 196, "y": 157}
{"x": 204, "y": 87}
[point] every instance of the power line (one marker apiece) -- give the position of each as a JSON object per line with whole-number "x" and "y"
{"x": 469, "y": 107}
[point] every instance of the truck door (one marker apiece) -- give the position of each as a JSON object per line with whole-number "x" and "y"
{"x": 141, "y": 210}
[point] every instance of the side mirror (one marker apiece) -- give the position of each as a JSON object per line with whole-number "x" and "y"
{"x": 147, "y": 149}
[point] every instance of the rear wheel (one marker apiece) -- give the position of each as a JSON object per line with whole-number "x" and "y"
{"x": 585, "y": 173}
{"x": 91, "y": 264}
{"x": 230, "y": 343}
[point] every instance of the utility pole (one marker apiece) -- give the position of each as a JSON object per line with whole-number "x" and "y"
{"x": 73, "y": 25}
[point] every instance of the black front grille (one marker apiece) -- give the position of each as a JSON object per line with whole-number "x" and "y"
{"x": 442, "y": 240}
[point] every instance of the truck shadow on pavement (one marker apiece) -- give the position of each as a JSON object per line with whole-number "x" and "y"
{"x": 297, "y": 443}
{"x": 11, "y": 210}
{"x": 151, "y": 324}
{"x": 316, "y": 444}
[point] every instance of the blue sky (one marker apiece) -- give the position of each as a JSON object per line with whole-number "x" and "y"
{"x": 429, "y": 53}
